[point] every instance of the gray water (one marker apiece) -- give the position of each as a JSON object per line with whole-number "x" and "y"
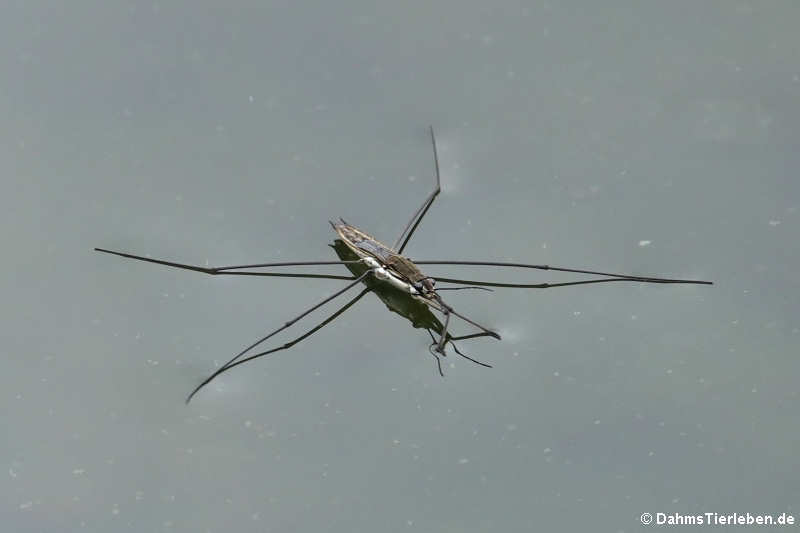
{"x": 656, "y": 139}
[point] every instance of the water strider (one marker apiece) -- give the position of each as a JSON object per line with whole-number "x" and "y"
{"x": 397, "y": 280}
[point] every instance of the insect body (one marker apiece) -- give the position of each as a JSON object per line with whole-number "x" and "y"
{"x": 395, "y": 279}
{"x": 389, "y": 265}
{"x": 365, "y": 245}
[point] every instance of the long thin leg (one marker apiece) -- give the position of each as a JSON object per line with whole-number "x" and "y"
{"x": 286, "y": 346}
{"x": 443, "y": 334}
{"x": 552, "y": 285}
{"x": 561, "y": 269}
{"x": 462, "y": 288}
{"x": 283, "y": 327}
{"x": 408, "y": 231}
{"x": 285, "y": 275}
{"x": 232, "y": 270}
{"x": 484, "y": 329}
{"x": 447, "y": 309}
{"x": 291, "y": 263}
